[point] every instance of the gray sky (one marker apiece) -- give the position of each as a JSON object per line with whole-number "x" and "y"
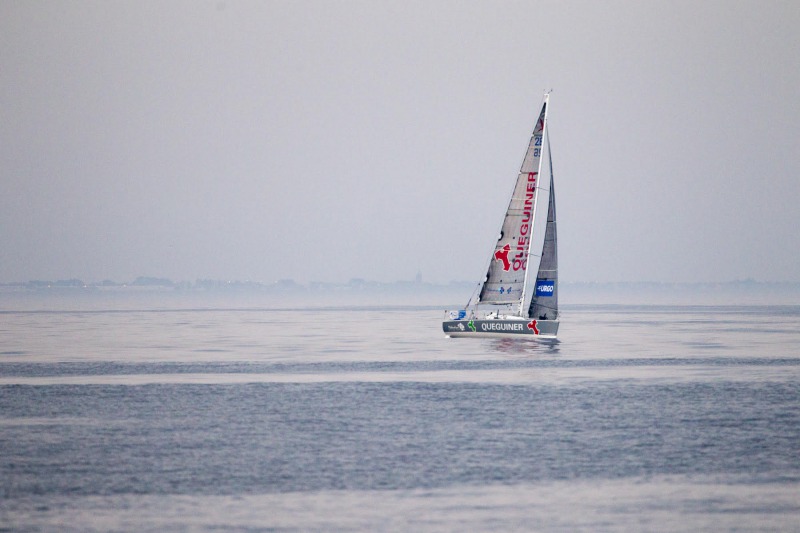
{"x": 330, "y": 140}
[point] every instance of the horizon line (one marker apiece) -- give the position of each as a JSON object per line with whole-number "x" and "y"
{"x": 144, "y": 281}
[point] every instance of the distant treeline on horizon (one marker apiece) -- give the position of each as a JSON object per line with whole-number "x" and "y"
{"x": 144, "y": 282}
{"x": 213, "y": 284}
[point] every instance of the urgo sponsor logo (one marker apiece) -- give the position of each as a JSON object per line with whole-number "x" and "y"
{"x": 545, "y": 288}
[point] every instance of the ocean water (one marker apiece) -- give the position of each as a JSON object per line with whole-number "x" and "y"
{"x": 638, "y": 418}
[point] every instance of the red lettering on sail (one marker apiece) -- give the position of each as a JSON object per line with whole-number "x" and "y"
{"x": 520, "y": 261}
{"x": 527, "y": 208}
{"x": 502, "y": 255}
{"x": 532, "y": 325}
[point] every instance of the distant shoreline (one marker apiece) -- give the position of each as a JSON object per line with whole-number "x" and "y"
{"x": 160, "y": 292}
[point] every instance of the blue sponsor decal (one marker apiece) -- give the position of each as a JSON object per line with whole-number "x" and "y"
{"x": 545, "y": 288}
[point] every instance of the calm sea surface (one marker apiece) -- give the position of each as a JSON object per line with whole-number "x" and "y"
{"x": 368, "y": 418}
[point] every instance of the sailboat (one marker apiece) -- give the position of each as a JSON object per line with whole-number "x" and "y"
{"x": 510, "y": 302}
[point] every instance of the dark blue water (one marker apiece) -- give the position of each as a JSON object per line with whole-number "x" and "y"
{"x": 252, "y": 438}
{"x": 637, "y": 418}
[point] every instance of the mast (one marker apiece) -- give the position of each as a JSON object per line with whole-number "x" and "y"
{"x": 523, "y": 298}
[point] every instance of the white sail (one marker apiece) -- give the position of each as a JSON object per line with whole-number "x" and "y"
{"x": 505, "y": 281}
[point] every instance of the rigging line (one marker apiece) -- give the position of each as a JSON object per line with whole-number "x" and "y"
{"x": 522, "y": 198}
{"x": 529, "y": 254}
{"x": 538, "y": 187}
{"x": 475, "y": 294}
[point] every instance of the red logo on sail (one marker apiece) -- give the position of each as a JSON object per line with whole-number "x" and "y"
{"x": 532, "y": 325}
{"x": 502, "y": 255}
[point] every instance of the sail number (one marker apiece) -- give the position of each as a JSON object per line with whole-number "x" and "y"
{"x": 537, "y": 141}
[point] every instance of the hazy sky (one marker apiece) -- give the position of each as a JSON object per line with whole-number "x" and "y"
{"x": 329, "y": 140}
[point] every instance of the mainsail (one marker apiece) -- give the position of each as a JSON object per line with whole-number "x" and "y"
{"x": 544, "y": 301}
{"x": 505, "y": 281}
